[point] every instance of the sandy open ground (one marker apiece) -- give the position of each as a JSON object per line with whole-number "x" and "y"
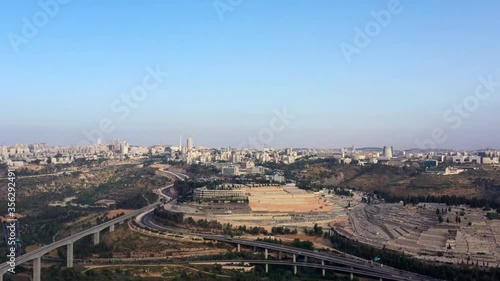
{"x": 285, "y": 199}
{"x": 113, "y": 213}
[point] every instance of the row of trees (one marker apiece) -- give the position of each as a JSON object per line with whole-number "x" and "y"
{"x": 282, "y": 230}
{"x": 185, "y": 189}
{"x": 170, "y": 218}
{"x": 400, "y": 260}
{"x": 137, "y": 201}
{"x": 450, "y": 200}
{"x": 315, "y": 231}
{"x": 167, "y": 217}
{"x": 308, "y": 245}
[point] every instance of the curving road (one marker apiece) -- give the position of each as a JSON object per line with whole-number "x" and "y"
{"x": 36, "y": 255}
{"x": 356, "y": 264}
{"x": 347, "y": 263}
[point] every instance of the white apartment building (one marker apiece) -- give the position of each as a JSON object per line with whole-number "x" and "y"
{"x": 491, "y": 160}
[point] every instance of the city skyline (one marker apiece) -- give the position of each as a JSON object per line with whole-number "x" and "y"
{"x": 185, "y": 143}
{"x": 217, "y": 78}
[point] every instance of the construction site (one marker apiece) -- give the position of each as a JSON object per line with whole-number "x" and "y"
{"x": 277, "y": 205}
{"x": 464, "y": 235}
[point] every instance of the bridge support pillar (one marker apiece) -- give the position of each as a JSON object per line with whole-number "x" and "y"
{"x": 69, "y": 254}
{"x": 323, "y": 271}
{"x": 266, "y": 253}
{"x": 239, "y": 248}
{"x": 294, "y": 258}
{"x": 37, "y": 269}
{"x": 305, "y": 259}
{"x": 95, "y": 237}
{"x": 294, "y": 270}
{"x": 1, "y": 276}
{"x": 279, "y": 255}
{"x": 267, "y": 268}
{"x": 351, "y": 275}
{"x": 112, "y": 228}
{"x": 254, "y": 249}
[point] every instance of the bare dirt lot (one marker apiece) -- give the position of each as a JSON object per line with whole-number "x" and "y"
{"x": 111, "y": 214}
{"x": 285, "y": 199}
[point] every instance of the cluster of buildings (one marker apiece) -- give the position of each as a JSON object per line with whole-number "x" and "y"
{"x": 222, "y": 193}
{"x": 200, "y": 155}
{"x": 387, "y": 155}
{"x": 487, "y": 157}
{"x": 237, "y": 162}
{"x": 19, "y": 155}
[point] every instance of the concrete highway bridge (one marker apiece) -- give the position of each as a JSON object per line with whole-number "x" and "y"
{"x": 337, "y": 269}
{"x": 36, "y": 255}
{"x": 337, "y": 263}
{"x": 313, "y": 259}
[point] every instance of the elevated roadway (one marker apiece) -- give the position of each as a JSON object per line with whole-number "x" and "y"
{"x": 342, "y": 264}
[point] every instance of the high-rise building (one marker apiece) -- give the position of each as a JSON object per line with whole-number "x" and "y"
{"x": 116, "y": 146}
{"x": 124, "y": 147}
{"x": 235, "y": 157}
{"x": 189, "y": 143}
{"x": 388, "y": 151}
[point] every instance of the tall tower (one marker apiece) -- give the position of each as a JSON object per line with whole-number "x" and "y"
{"x": 124, "y": 147}
{"x": 180, "y": 143}
{"x": 189, "y": 143}
{"x": 388, "y": 151}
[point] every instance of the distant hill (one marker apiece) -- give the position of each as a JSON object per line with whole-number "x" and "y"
{"x": 371, "y": 149}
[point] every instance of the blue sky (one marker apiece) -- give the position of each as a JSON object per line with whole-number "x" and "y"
{"x": 228, "y": 74}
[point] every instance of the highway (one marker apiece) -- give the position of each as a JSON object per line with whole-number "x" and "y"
{"x": 358, "y": 264}
{"x": 338, "y": 269}
{"x": 38, "y": 253}
{"x": 165, "y": 191}
{"x": 177, "y": 175}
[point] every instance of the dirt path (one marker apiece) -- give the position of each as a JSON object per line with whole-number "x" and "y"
{"x": 90, "y": 267}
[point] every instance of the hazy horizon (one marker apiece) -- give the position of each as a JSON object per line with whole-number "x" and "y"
{"x": 230, "y": 72}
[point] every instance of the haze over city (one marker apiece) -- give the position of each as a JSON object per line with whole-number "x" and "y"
{"x": 229, "y": 70}
{"x": 249, "y": 140}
